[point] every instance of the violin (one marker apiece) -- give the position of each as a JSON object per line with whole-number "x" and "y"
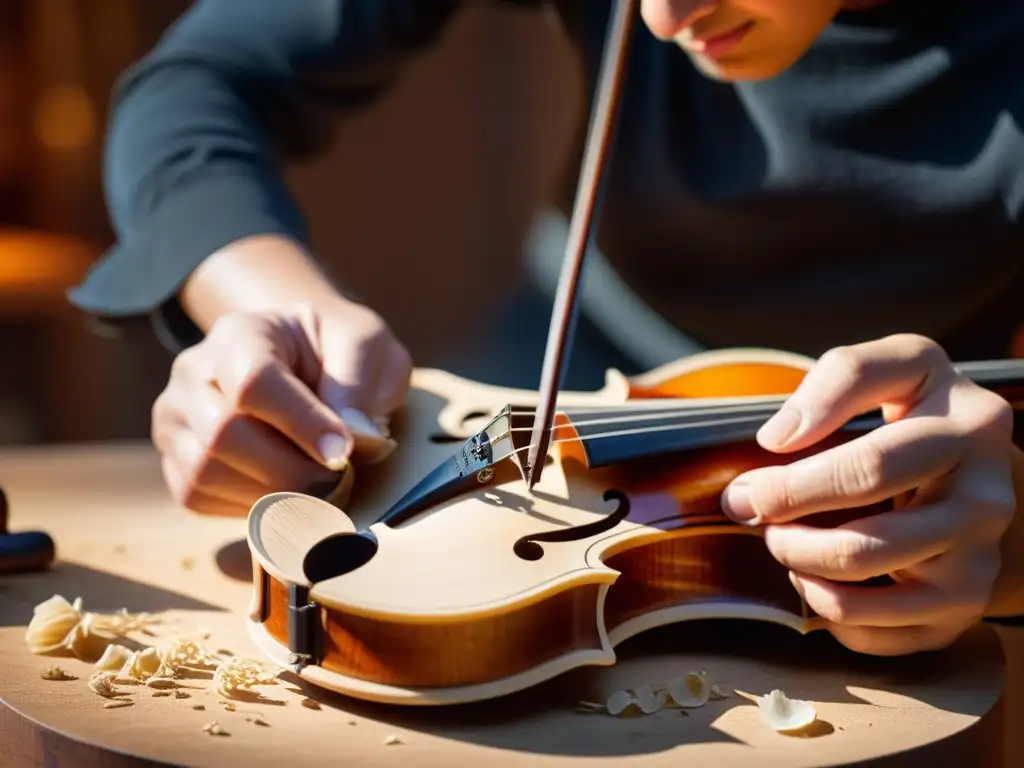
{"x": 471, "y": 586}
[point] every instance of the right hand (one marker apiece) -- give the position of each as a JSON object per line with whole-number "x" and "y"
{"x": 277, "y": 402}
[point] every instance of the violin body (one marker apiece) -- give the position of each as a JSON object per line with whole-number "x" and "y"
{"x": 499, "y": 588}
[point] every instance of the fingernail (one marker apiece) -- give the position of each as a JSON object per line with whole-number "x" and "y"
{"x": 778, "y": 430}
{"x": 737, "y": 505}
{"x": 334, "y": 450}
{"x": 357, "y": 421}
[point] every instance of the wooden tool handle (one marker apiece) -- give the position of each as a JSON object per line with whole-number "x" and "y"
{"x": 26, "y": 551}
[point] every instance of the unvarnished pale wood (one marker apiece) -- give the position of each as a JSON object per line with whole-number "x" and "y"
{"x": 122, "y": 543}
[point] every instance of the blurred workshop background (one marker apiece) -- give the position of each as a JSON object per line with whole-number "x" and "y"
{"x": 496, "y": 102}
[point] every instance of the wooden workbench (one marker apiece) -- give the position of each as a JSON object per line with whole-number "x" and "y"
{"x": 122, "y": 543}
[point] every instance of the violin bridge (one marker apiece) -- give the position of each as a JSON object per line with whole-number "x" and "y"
{"x": 305, "y": 636}
{"x": 472, "y": 464}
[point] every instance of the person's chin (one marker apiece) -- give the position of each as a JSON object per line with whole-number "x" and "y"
{"x": 738, "y": 69}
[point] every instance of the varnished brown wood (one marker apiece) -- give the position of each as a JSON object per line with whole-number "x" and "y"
{"x": 449, "y": 654}
{"x": 130, "y": 553}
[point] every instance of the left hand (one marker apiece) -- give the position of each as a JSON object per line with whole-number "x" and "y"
{"x": 946, "y": 445}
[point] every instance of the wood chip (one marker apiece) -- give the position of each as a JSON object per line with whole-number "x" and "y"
{"x": 257, "y": 719}
{"x": 213, "y": 728}
{"x": 199, "y": 707}
{"x": 55, "y": 674}
{"x": 187, "y": 563}
{"x": 310, "y": 703}
{"x": 158, "y": 694}
{"x": 182, "y": 695}
{"x": 391, "y": 740}
{"x": 118, "y": 703}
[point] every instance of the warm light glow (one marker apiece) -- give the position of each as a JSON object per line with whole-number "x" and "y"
{"x": 65, "y": 118}
{"x": 37, "y": 260}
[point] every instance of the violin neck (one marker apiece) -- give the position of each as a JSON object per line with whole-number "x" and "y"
{"x": 639, "y": 430}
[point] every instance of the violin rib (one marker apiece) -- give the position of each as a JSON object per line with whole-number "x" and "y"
{"x": 489, "y": 588}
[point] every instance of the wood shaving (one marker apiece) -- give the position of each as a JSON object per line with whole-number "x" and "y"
{"x": 60, "y": 626}
{"x": 113, "y": 659}
{"x": 182, "y": 695}
{"x": 229, "y": 706}
{"x": 117, "y": 704}
{"x": 783, "y": 714}
{"x": 238, "y": 678}
{"x": 161, "y": 683}
{"x": 257, "y": 719}
{"x": 391, "y": 740}
{"x": 309, "y": 703}
{"x": 187, "y": 563}
{"x": 188, "y": 652}
{"x": 102, "y": 683}
{"x": 56, "y": 674}
{"x": 689, "y": 691}
{"x": 213, "y": 728}
{"x": 199, "y": 707}
{"x": 158, "y": 694}
{"x": 52, "y": 621}
{"x": 144, "y": 664}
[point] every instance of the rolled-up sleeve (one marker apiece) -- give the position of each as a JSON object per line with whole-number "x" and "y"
{"x": 201, "y": 125}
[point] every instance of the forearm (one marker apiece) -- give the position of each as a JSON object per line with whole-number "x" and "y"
{"x": 261, "y": 273}
{"x": 1008, "y": 594}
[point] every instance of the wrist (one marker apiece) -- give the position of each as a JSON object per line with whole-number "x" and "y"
{"x": 266, "y": 273}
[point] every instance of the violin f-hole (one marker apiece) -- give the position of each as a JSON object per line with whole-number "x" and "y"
{"x": 529, "y": 548}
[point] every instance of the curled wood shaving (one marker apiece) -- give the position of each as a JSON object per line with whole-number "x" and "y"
{"x": 783, "y": 714}
{"x": 689, "y": 691}
{"x": 60, "y": 626}
{"x": 213, "y": 728}
{"x": 55, "y": 673}
{"x": 118, "y": 703}
{"x": 188, "y": 652}
{"x": 102, "y": 683}
{"x": 52, "y": 621}
{"x": 113, "y": 659}
{"x": 238, "y": 678}
{"x": 144, "y": 664}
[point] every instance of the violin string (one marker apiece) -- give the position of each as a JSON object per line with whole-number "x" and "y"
{"x": 694, "y": 404}
{"x": 642, "y": 431}
{"x": 758, "y": 410}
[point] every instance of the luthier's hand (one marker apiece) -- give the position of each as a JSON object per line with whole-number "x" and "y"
{"x": 945, "y": 453}
{"x": 272, "y": 402}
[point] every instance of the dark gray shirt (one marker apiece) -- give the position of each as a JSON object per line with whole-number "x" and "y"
{"x": 874, "y": 187}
